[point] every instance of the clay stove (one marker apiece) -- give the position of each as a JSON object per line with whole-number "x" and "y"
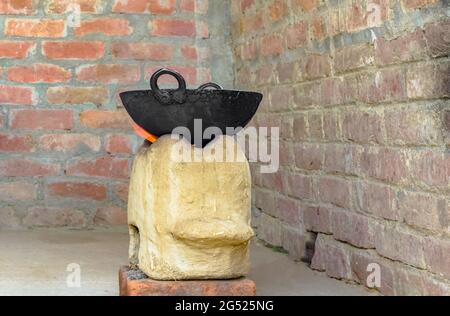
{"x": 189, "y": 221}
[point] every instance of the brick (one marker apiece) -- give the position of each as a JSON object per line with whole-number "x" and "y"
{"x": 39, "y": 73}
{"x": 315, "y": 126}
{"x": 25, "y": 7}
{"x": 188, "y": 5}
{"x": 437, "y": 38}
{"x": 386, "y": 85}
{"x": 265, "y": 74}
{"x": 337, "y": 21}
{"x": 16, "y": 49}
{"x": 387, "y": 164}
{"x": 77, "y": 95}
{"x": 417, "y": 4}
{"x": 319, "y": 259}
{"x": 265, "y": 201}
{"x": 8, "y": 218}
{"x": 54, "y": 217}
{"x": 249, "y": 50}
{"x": 435, "y": 286}
{"x": 360, "y": 261}
{"x": 317, "y": 219}
{"x": 306, "y": 95}
{"x": 147, "y": 287}
{"x": 41, "y": 119}
{"x": 270, "y": 230}
{"x": 350, "y": 58}
{"x": 295, "y": 243}
{"x": 64, "y": 6}
{"x": 185, "y": 28}
{"x": 246, "y": 4}
{"x": 78, "y": 190}
{"x": 15, "y": 95}
{"x": 317, "y": 66}
{"x": 428, "y": 81}
{"x": 436, "y": 174}
{"x": 189, "y": 52}
{"x": 105, "y": 119}
{"x": 18, "y": 191}
{"x": 100, "y": 167}
{"x": 145, "y": 6}
{"x": 253, "y": 23}
{"x": 305, "y": 5}
{"x": 286, "y": 156}
{"x": 338, "y": 90}
{"x": 35, "y": 28}
{"x": 121, "y": 191}
{"x": 413, "y": 127}
{"x": 16, "y": 143}
{"x": 273, "y": 181}
{"x": 423, "y": 211}
{"x": 21, "y": 167}
{"x": 354, "y": 17}
{"x": 109, "y": 73}
{"x": 372, "y": 131}
{"x": 142, "y": 51}
{"x": 278, "y": 10}
{"x": 104, "y": 27}
{"x": 271, "y": 45}
{"x": 352, "y": 228}
{"x": 397, "y": 244}
{"x": 318, "y": 27}
{"x": 287, "y": 126}
{"x": 309, "y": 156}
{"x": 446, "y": 120}
{"x": 338, "y": 159}
{"x": 437, "y": 256}
{"x": 408, "y": 281}
{"x": 337, "y": 264}
{"x": 377, "y": 199}
{"x": 73, "y": 50}
{"x": 118, "y": 144}
{"x": 299, "y": 186}
{"x": 287, "y": 72}
{"x": 335, "y": 191}
{"x": 281, "y": 98}
{"x": 110, "y": 216}
{"x": 288, "y": 210}
{"x": 70, "y": 142}
{"x": 409, "y": 47}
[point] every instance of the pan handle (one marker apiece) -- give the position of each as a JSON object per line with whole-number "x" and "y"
{"x": 209, "y": 85}
{"x": 169, "y": 96}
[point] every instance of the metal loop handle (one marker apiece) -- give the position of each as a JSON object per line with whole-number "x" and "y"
{"x": 166, "y": 96}
{"x": 209, "y": 85}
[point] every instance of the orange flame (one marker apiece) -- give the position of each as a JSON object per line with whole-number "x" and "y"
{"x": 144, "y": 134}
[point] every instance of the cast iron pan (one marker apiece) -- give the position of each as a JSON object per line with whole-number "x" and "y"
{"x": 159, "y": 111}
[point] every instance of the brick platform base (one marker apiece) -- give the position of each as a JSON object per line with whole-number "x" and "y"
{"x": 135, "y": 283}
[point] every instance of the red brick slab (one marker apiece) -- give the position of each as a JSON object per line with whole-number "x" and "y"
{"x": 135, "y": 283}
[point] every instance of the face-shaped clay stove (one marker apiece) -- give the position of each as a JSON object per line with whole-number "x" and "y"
{"x": 190, "y": 220}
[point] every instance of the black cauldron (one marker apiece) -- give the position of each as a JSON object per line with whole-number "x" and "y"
{"x": 160, "y": 111}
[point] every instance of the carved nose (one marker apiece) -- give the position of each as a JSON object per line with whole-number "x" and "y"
{"x": 212, "y": 233}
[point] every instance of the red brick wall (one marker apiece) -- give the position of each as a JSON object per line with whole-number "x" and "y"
{"x": 65, "y": 140}
{"x": 360, "y": 90}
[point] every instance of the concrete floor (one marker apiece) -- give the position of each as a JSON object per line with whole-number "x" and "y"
{"x": 35, "y": 263}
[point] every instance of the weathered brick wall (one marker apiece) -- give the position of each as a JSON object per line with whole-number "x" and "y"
{"x": 65, "y": 140}
{"x": 360, "y": 90}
